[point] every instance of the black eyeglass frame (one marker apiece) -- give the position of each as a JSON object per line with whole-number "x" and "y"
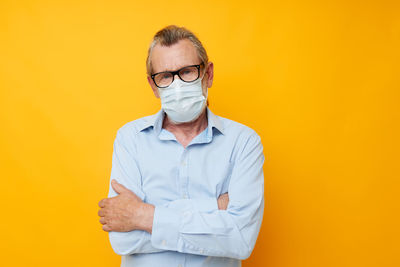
{"x": 177, "y": 72}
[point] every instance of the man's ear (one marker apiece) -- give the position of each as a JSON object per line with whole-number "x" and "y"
{"x": 210, "y": 74}
{"x": 153, "y": 86}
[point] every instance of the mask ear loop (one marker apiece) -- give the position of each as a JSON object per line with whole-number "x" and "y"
{"x": 204, "y": 74}
{"x": 206, "y": 96}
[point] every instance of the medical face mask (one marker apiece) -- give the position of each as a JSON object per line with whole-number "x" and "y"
{"x": 183, "y": 101}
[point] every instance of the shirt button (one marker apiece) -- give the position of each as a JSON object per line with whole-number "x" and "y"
{"x": 183, "y": 163}
{"x": 163, "y": 242}
{"x": 201, "y": 250}
{"x": 180, "y": 265}
{"x": 185, "y": 196}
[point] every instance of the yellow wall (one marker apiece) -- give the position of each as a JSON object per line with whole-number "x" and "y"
{"x": 318, "y": 80}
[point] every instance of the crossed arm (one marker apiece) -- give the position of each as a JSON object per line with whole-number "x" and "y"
{"x": 127, "y": 212}
{"x": 203, "y": 226}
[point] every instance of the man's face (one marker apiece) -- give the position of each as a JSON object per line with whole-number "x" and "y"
{"x": 177, "y": 56}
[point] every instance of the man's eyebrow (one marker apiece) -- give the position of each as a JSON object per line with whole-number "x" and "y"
{"x": 178, "y": 68}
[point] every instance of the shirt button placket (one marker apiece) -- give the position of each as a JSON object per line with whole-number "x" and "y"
{"x": 183, "y": 173}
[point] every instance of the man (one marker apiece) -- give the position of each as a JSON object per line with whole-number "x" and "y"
{"x": 187, "y": 186}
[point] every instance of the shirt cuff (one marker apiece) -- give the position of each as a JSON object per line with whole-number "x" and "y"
{"x": 166, "y": 225}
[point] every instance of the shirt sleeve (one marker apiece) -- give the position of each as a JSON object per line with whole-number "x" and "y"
{"x": 184, "y": 227}
{"x": 125, "y": 171}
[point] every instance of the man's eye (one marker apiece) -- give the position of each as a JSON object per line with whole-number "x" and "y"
{"x": 186, "y": 71}
{"x": 165, "y": 76}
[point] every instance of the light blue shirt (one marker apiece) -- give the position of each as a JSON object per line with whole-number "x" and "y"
{"x": 184, "y": 184}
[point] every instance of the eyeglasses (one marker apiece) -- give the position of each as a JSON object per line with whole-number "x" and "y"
{"x": 186, "y": 74}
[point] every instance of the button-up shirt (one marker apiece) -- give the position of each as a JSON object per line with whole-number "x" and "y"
{"x": 184, "y": 184}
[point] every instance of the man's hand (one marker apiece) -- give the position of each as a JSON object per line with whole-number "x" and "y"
{"x": 223, "y": 201}
{"x": 125, "y": 212}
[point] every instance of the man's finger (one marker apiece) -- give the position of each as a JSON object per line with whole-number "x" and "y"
{"x": 119, "y": 188}
{"x": 102, "y": 220}
{"x": 101, "y": 213}
{"x": 224, "y": 195}
{"x": 106, "y": 228}
{"x": 102, "y": 203}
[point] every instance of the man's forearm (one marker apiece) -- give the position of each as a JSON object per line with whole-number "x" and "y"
{"x": 148, "y": 212}
{"x": 132, "y": 242}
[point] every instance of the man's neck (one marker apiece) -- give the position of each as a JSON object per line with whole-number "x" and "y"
{"x": 186, "y": 131}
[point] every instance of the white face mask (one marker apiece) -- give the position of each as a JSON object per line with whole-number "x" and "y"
{"x": 183, "y": 101}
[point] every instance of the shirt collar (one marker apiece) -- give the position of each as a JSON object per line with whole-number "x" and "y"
{"x": 157, "y": 119}
{"x": 214, "y": 121}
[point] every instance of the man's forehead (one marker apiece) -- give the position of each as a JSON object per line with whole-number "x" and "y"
{"x": 169, "y": 58}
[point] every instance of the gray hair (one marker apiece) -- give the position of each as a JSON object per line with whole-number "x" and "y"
{"x": 170, "y": 35}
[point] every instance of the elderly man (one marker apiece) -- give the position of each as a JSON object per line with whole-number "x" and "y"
{"x": 187, "y": 186}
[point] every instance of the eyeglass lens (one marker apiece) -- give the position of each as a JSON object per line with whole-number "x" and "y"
{"x": 188, "y": 74}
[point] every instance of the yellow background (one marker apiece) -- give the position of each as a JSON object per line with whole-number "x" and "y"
{"x": 318, "y": 80}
